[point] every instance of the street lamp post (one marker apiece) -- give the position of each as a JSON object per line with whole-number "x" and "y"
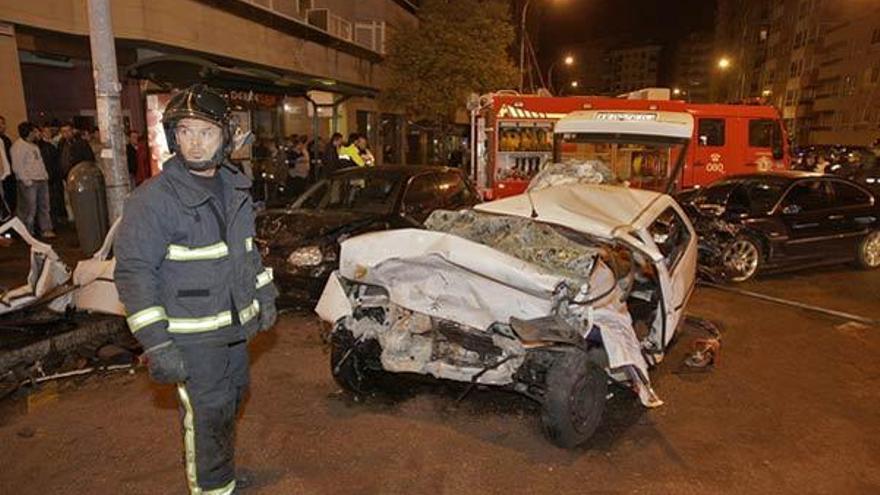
{"x": 724, "y": 66}
{"x": 568, "y": 60}
{"x": 522, "y": 45}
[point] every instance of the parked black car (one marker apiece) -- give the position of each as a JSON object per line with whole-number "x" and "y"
{"x": 751, "y": 223}
{"x": 301, "y": 243}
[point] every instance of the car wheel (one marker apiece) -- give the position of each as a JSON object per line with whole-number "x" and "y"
{"x": 869, "y": 251}
{"x": 574, "y": 399}
{"x": 348, "y": 362}
{"x": 741, "y": 259}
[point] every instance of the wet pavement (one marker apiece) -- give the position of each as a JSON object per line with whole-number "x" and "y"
{"x": 791, "y": 408}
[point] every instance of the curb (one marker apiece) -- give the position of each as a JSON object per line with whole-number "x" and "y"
{"x": 86, "y": 332}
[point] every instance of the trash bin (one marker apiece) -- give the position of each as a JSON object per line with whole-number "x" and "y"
{"x": 85, "y": 186}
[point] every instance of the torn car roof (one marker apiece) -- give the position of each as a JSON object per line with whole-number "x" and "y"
{"x": 594, "y": 209}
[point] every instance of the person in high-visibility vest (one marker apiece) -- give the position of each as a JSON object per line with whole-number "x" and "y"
{"x": 350, "y": 154}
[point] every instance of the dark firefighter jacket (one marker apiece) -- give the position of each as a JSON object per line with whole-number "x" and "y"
{"x": 187, "y": 268}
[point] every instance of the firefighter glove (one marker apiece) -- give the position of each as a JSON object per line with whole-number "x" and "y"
{"x": 165, "y": 362}
{"x": 268, "y": 315}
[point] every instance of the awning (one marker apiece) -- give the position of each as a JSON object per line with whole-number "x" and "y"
{"x": 180, "y": 71}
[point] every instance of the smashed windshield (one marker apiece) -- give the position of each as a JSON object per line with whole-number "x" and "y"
{"x": 756, "y": 196}
{"x": 644, "y": 162}
{"x": 370, "y": 193}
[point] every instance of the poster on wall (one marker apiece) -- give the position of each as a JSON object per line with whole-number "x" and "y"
{"x": 155, "y": 133}
{"x": 244, "y": 124}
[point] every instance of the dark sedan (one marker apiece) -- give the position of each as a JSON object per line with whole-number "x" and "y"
{"x": 751, "y": 223}
{"x": 301, "y": 243}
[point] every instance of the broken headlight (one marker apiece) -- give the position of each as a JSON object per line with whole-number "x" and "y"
{"x": 306, "y": 256}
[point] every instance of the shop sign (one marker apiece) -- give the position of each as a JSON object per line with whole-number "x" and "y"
{"x": 250, "y": 98}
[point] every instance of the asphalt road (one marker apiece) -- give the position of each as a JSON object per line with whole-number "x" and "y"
{"x": 792, "y": 407}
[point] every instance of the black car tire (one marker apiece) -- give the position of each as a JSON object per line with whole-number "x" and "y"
{"x": 742, "y": 247}
{"x": 348, "y": 363}
{"x": 868, "y": 256}
{"x": 574, "y": 399}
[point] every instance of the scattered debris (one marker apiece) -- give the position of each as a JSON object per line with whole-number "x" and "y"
{"x": 571, "y": 172}
{"x": 704, "y": 351}
{"x": 47, "y": 272}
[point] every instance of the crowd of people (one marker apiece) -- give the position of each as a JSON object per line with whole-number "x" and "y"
{"x": 34, "y": 170}
{"x": 296, "y": 162}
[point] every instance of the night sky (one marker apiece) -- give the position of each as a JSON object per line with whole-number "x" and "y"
{"x": 564, "y": 22}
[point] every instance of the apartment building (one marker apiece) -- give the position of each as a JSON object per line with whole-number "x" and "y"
{"x": 691, "y": 63}
{"x": 814, "y": 60}
{"x": 632, "y": 68}
{"x": 287, "y": 66}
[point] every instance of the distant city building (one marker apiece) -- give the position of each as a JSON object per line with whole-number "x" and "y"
{"x": 691, "y": 63}
{"x": 817, "y": 61}
{"x": 631, "y": 68}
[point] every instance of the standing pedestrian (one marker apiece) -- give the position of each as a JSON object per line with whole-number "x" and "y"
{"x": 74, "y": 149}
{"x": 143, "y": 171}
{"x": 131, "y": 156}
{"x": 193, "y": 284}
{"x": 33, "y": 181}
{"x": 5, "y": 171}
{"x": 298, "y": 166}
{"x": 316, "y": 158}
{"x": 51, "y": 159}
{"x": 331, "y": 161}
{"x": 8, "y": 183}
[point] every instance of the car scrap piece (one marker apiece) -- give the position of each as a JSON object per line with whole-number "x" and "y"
{"x": 47, "y": 273}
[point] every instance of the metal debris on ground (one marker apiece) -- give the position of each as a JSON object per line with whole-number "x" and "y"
{"x": 47, "y": 272}
{"x": 50, "y": 282}
{"x": 706, "y": 350}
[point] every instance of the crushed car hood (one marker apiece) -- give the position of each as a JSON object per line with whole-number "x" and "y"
{"x": 294, "y": 227}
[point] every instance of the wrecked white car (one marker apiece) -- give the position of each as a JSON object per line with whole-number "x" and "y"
{"x": 550, "y": 294}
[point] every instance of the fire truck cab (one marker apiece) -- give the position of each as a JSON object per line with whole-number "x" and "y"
{"x": 650, "y": 144}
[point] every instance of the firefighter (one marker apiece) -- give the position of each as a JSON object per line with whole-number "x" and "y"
{"x": 192, "y": 282}
{"x": 350, "y": 155}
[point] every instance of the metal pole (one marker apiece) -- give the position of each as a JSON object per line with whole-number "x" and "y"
{"x": 522, "y": 45}
{"x": 550, "y": 77}
{"x": 104, "y": 69}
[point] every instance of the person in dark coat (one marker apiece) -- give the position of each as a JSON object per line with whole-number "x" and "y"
{"x": 74, "y": 149}
{"x": 330, "y": 161}
{"x": 52, "y": 160}
{"x": 8, "y": 183}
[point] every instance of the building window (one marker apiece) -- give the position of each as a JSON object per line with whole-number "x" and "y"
{"x": 711, "y": 132}
{"x": 848, "y": 87}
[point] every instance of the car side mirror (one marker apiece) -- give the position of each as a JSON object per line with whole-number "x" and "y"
{"x": 778, "y": 153}
{"x": 791, "y": 210}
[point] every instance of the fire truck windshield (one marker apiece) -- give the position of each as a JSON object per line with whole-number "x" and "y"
{"x": 644, "y": 162}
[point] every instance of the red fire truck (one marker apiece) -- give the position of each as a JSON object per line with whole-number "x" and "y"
{"x": 643, "y": 141}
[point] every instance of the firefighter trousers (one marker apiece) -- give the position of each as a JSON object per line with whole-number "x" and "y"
{"x": 209, "y": 402}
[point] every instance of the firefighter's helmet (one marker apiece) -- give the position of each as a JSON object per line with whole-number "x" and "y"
{"x": 199, "y": 102}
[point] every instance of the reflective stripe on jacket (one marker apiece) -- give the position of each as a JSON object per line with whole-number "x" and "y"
{"x": 186, "y": 266}
{"x": 351, "y": 154}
